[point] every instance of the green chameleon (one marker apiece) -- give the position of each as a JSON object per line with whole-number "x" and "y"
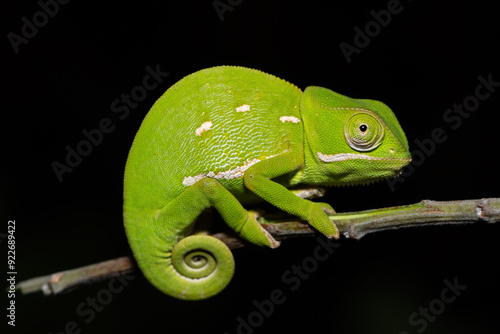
{"x": 227, "y": 136}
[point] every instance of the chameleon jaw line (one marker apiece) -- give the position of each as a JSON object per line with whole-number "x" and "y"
{"x": 345, "y": 156}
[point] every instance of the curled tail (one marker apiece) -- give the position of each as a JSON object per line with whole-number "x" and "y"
{"x": 196, "y": 267}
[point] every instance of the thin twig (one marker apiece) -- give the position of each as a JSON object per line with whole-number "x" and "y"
{"x": 64, "y": 281}
{"x": 353, "y": 225}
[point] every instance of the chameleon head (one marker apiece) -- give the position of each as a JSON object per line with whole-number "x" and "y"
{"x": 350, "y": 141}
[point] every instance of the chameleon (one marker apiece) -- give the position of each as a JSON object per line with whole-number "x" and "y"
{"x": 228, "y": 136}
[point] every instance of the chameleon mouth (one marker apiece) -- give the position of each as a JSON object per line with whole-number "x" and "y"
{"x": 382, "y": 168}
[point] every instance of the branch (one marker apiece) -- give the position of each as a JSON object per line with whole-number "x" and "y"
{"x": 353, "y": 225}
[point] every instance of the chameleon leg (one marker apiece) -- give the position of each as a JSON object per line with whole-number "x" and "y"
{"x": 258, "y": 179}
{"x": 233, "y": 213}
{"x": 197, "y": 266}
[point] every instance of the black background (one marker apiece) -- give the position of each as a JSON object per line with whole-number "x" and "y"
{"x": 426, "y": 59}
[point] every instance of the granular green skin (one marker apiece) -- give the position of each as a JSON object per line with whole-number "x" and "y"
{"x": 221, "y": 137}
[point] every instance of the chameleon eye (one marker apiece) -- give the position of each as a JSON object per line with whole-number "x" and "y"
{"x": 363, "y": 132}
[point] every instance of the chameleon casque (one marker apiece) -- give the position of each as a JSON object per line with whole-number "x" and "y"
{"x": 226, "y": 136}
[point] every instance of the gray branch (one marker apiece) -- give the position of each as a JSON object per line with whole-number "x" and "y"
{"x": 353, "y": 225}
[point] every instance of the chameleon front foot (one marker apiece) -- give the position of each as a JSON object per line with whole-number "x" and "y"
{"x": 318, "y": 218}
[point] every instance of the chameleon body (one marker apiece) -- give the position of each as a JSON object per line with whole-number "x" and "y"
{"x": 227, "y": 136}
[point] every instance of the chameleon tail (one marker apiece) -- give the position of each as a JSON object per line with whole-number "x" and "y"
{"x": 198, "y": 267}
{"x": 204, "y": 267}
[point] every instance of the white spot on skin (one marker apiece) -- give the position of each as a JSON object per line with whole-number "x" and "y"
{"x": 345, "y": 156}
{"x": 352, "y": 156}
{"x": 243, "y": 108}
{"x": 230, "y": 174}
{"x": 227, "y": 175}
{"x": 190, "y": 180}
{"x": 291, "y": 119}
{"x": 204, "y": 127}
